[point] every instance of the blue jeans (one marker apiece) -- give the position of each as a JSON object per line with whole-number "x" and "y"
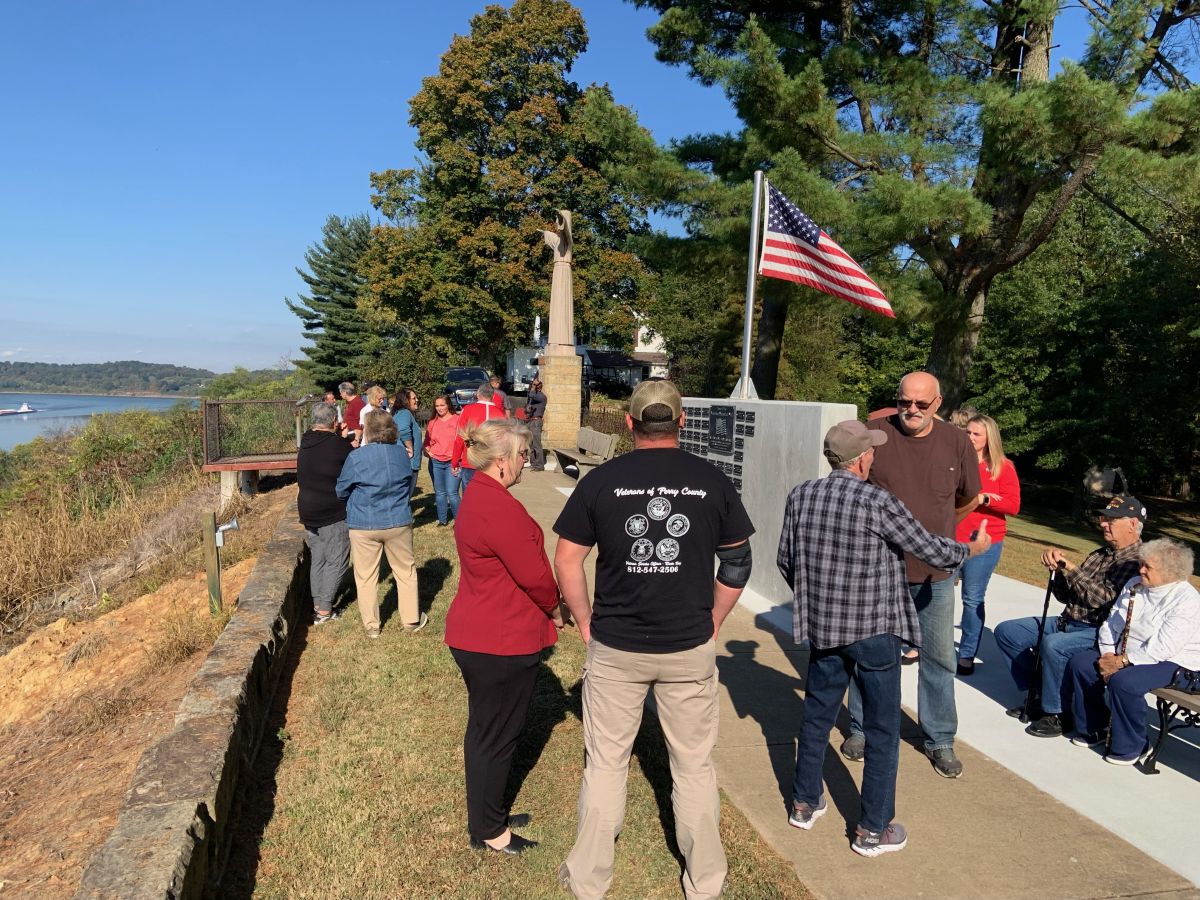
{"x": 877, "y": 659}
{"x": 1017, "y": 639}
{"x": 445, "y": 486}
{"x": 464, "y": 476}
{"x": 976, "y": 573}
{"x": 936, "y": 712}
{"x": 1126, "y": 700}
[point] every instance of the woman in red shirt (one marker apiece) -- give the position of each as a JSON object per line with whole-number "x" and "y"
{"x": 505, "y": 613}
{"x": 1000, "y": 498}
{"x": 440, "y": 434}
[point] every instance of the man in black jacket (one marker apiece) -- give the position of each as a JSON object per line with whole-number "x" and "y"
{"x": 535, "y": 409}
{"x": 323, "y": 515}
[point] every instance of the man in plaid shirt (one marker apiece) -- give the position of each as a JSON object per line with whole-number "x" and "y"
{"x": 842, "y": 553}
{"x": 1088, "y": 590}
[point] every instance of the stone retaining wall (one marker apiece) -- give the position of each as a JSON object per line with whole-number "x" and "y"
{"x": 172, "y": 836}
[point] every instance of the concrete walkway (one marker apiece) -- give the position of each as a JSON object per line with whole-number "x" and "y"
{"x": 1029, "y": 818}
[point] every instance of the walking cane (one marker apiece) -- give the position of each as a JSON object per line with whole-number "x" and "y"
{"x": 1033, "y": 697}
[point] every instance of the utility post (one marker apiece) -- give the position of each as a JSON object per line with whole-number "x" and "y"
{"x": 212, "y": 562}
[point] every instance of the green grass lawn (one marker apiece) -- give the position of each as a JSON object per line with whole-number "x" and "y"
{"x": 1046, "y": 520}
{"x": 359, "y": 792}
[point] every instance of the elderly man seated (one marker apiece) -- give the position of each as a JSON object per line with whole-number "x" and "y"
{"x": 1153, "y": 632}
{"x": 1088, "y": 591}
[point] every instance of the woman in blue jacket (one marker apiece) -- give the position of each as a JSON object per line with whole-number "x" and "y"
{"x": 376, "y": 484}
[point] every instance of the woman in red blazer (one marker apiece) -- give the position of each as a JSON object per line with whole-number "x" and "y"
{"x": 505, "y": 613}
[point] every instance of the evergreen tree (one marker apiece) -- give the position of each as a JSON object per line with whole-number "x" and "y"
{"x": 933, "y": 130}
{"x": 339, "y": 333}
{"x": 507, "y": 139}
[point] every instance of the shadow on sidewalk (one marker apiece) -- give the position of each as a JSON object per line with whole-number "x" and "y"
{"x": 773, "y": 698}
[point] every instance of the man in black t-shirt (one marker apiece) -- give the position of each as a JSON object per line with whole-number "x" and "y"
{"x": 659, "y": 515}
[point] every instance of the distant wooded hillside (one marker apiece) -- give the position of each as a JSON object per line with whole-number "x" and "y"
{"x": 123, "y": 377}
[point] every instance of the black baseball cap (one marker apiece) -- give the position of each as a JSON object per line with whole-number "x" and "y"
{"x": 1124, "y": 506}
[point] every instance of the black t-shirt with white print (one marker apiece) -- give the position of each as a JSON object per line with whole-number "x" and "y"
{"x": 658, "y": 516}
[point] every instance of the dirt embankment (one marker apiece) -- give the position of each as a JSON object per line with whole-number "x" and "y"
{"x": 81, "y": 699}
{"x": 79, "y": 702}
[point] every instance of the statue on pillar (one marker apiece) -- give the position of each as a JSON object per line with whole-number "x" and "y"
{"x": 561, "y": 369}
{"x": 562, "y": 302}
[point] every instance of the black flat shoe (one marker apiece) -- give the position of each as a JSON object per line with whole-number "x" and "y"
{"x": 515, "y": 847}
{"x": 966, "y": 668}
{"x": 519, "y": 820}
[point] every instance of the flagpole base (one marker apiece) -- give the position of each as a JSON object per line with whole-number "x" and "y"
{"x": 744, "y": 390}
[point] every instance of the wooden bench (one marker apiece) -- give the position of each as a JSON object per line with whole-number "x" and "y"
{"x": 593, "y": 448}
{"x": 1173, "y": 704}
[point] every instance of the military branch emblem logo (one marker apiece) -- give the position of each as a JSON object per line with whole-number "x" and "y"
{"x": 668, "y": 549}
{"x": 659, "y": 508}
{"x": 635, "y": 526}
{"x": 678, "y": 525}
{"x": 641, "y": 551}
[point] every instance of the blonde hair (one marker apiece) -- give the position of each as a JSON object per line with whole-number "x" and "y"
{"x": 375, "y": 394}
{"x": 379, "y": 428}
{"x": 494, "y": 439}
{"x": 994, "y": 452}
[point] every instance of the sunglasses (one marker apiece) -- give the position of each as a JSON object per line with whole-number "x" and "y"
{"x": 922, "y": 405}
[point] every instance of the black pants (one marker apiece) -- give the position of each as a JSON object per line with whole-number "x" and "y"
{"x": 499, "y": 691}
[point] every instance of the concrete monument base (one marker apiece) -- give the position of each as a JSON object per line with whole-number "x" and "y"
{"x": 560, "y": 376}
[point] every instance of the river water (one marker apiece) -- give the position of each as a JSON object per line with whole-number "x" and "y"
{"x": 57, "y": 412}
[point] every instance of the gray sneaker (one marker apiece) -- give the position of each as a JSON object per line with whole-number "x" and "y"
{"x": 875, "y": 843}
{"x": 420, "y": 623}
{"x": 854, "y": 748}
{"x": 945, "y": 763}
{"x": 804, "y": 815}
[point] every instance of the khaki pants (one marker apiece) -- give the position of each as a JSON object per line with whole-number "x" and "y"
{"x": 615, "y": 683}
{"x": 366, "y": 551}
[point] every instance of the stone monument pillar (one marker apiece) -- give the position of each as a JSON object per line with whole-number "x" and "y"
{"x": 559, "y": 367}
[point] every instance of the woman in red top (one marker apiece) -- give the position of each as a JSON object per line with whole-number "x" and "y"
{"x": 440, "y": 434}
{"x": 505, "y": 613}
{"x": 1000, "y": 497}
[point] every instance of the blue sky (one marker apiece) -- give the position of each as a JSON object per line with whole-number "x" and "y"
{"x": 164, "y": 166}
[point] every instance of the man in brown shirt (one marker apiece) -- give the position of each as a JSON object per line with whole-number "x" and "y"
{"x": 931, "y": 468}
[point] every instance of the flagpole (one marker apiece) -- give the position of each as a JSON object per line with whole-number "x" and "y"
{"x": 744, "y": 390}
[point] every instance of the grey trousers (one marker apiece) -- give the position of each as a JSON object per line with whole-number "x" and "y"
{"x": 537, "y": 456}
{"x": 329, "y": 548}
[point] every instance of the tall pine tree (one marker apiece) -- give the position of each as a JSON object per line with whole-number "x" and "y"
{"x": 339, "y": 333}
{"x": 933, "y": 130}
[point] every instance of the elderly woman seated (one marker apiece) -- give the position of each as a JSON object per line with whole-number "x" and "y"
{"x": 1151, "y": 633}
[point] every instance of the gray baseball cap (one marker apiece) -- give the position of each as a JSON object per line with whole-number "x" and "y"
{"x": 849, "y": 440}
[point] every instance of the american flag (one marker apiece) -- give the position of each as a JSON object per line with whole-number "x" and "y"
{"x": 795, "y": 249}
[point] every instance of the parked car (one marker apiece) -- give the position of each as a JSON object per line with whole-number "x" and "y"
{"x": 461, "y": 384}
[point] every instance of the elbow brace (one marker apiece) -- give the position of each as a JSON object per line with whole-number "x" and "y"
{"x": 736, "y": 563}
